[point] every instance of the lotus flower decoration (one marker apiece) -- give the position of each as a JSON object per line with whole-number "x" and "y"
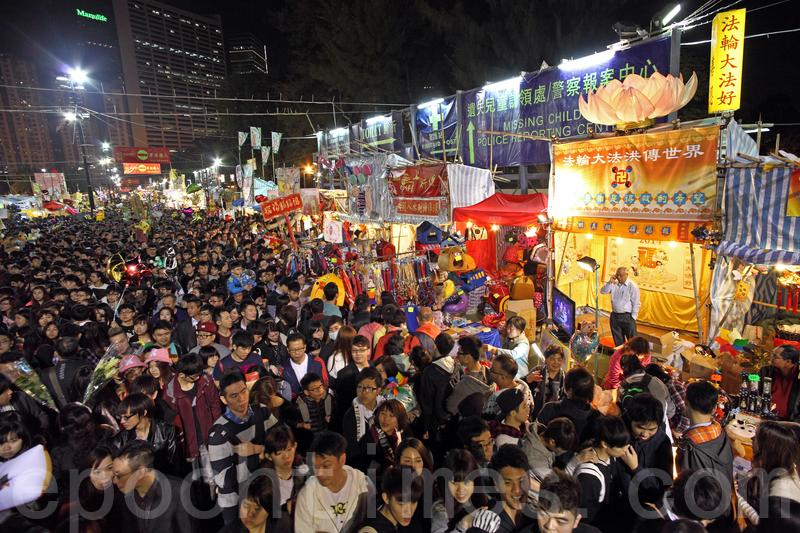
{"x": 637, "y": 99}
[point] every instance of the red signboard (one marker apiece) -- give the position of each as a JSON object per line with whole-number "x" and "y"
{"x": 129, "y": 182}
{"x": 417, "y": 207}
{"x": 418, "y": 182}
{"x": 141, "y": 168}
{"x": 281, "y": 206}
{"x": 141, "y": 155}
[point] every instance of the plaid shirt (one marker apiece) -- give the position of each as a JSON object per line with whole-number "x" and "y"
{"x": 702, "y": 434}
{"x": 677, "y": 393}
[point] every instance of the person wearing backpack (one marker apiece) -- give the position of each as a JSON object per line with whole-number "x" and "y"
{"x": 437, "y": 383}
{"x": 425, "y": 333}
{"x": 637, "y": 381}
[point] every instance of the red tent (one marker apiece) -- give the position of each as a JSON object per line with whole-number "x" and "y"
{"x": 53, "y": 206}
{"x": 503, "y": 210}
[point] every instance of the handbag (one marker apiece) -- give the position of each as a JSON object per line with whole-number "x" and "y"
{"x": 427, "y": 233}
{"x": 477, "y": 233}
{"x": 522, "y": 288}
{"x": 510, "y": 255}
{"x": 498, "y": 298}
{"x": 472, "y": 280}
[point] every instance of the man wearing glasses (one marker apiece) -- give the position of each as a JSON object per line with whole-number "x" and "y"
{"x": 206, "y": 336}
{"x": 299, "y": 364}
{"x": 152, "y": 500}
{"x": 783, "y": 370}
{"x": 191, "y": 393}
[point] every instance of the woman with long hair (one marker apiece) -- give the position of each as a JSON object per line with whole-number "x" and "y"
{"x": 167, "y": 314}
{"x": 23, "y": 317}
{"x": 256, "y": 509}
{"x": 103, "y": 314}
{"x": 94, "y": 339}
{"x": 97, "y": 487}
{"x": 265, "y": 391}
{"x": 80, "y": 432}
{"x": 15, "y": 436}
{"x": 275, "y": 353}
{"x": 342, "y": 353}
{"x": 159, "y": 365}
{"x": 379, "y": 443}
{"x": 8, "y": 308}
{"x": 44, "y": 317}
{"x": 142, "y": 329}
{"x": 51, "y": 333}
{"x": 458, "y": 488}
{"x": 280, "y": 451}
{"x": 35, "y": 347}
{"x": 39, "y": 296}
{"x": 776, "y": 455}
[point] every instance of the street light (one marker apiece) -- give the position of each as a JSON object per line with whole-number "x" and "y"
{"x": 590, "y": 264}
{"x": 106, "y": 146}
{"x": 217, "y": 162}
{"x": 70, "y": 116}
{"x": 76, "y": 76}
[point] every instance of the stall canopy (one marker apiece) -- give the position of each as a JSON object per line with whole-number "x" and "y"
{"x": 504, "y": 210}
{"x": 501, "y": 210}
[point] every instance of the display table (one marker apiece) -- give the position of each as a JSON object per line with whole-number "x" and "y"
{"x": 490, "y": 337}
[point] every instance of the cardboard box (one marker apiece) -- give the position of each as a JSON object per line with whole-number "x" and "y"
{"x": 662, "y": 346}
{"x": 695, "y": 371}
{"x": 731, "y": 375}
{"x": 515, "y": 306}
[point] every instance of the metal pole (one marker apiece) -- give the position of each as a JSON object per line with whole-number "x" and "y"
{"x": 523, "y": 179}
{"x": 696, "y": 297}
{"x": 86, "y": 170}
{"x": 596, "y": 315}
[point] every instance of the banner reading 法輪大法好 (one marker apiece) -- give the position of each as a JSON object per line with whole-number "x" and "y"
{"x": 665, "y": 175}
{"x": 545, "y": 103}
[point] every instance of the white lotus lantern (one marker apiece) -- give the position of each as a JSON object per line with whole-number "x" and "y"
{"x": 637, "y": 101}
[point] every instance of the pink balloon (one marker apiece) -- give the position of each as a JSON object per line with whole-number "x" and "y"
{"x": 367, "y": 170}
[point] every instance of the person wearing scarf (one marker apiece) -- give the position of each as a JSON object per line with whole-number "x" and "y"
{"x": 379, "y": 444}
{"x": 510, "y": 425}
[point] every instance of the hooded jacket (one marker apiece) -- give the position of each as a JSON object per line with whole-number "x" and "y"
{"x": 434, "y": 390}
{"x": 423, "y": 336}
{"x": 469, "y": 384}
{"x": 540, "y": 458}
{"x": 206, "y": 404}
{"x": 713, "y": 454}
{"x": 313, "y": 510}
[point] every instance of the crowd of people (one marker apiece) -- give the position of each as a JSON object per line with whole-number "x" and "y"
{"x": 245, "y": 405}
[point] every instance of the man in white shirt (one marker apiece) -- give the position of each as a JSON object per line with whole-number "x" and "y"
{"x": 625, "y": 304}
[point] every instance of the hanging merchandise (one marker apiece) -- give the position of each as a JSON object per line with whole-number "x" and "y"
{"x": 527, "y": 242}
{"x": 384, "y": 249}
{"x": 427, "y": 233}
{"x": 512, "y": 236}
{"x": 454, "y": 259}
{"x": 332, "y": 231}
{"x": 511, "y": 254}
{"x": 477, "y": 233}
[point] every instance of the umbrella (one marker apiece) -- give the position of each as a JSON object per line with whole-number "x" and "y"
{"x": 53, "y": 206}
{"x": 238, "y": 203}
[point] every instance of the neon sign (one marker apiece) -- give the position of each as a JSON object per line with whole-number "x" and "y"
{"x": 100, "y": 18}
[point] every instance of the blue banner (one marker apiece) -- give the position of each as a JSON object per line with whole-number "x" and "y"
{"x": 384, "y": 132}
{"x": 545, "y": 103}
{"x": 434, "y": 119}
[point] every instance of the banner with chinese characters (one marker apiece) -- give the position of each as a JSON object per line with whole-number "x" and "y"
{"x": 665, "y": 175}
{"x": 335, "y": 141}
{"x": 265, "y": 151}
{"x": 141, "y": 168}
{"x": 276, "y": 141}
{"x": 141, "y": 155}
{"x": 385, "y": 132}
{"x": 727, "y": 56}
{"x": 255, "y": 137}
{"x": 129, "y": 182}
{"x": 280, "y": 206}
{"x": 418, "y": 182}
{"x": 569, "y": 248}
{"x": 288, "y": 180}
{"x": 242, "y": 138}
{"x": 653, "y": 265}
{"x": 545, "y": 103}
{"x": 310, "y": 198}
{"x": 431, "y": 208}
{"x": 434, "y": 120}
{"x": 667, "y": 230}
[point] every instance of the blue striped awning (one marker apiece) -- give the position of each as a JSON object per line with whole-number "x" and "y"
{"x": 758, "y": 256}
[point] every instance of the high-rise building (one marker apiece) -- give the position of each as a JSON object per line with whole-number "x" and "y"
{"x": 173, "y": 64}
{"x": 24, "y": 137}
{"x": 246, "y": 54}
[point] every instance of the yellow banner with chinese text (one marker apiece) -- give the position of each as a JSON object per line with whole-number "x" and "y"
{"x": 656, "y": 230}
{"x": 727, "y": 56}
{"x": 656, "y": 176}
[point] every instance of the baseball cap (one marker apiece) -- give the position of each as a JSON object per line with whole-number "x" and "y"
{"x": 206, "y": 326}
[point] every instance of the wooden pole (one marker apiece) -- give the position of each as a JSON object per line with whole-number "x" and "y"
{"x": 695, "y": 288}
{"x": 414, "y": 139}
{"x": 441, "y": 129}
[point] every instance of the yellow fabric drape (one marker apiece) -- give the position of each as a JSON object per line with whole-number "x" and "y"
{"x": 668, "y": 311}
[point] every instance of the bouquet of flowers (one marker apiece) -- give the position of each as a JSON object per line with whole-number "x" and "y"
{"x": 28, "y": 381}
{"x": 106, "y": 370}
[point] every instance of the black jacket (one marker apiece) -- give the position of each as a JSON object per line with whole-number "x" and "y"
{"x": 434, "y": 391}
{"x": 715, "y": 454}
{"x": 30, "y": 410}
{"x": 168, "y": 456}
{"x": 62, "y": 374}
{"x": 582, "y": 415}
{"x": 655, "y": 456}
{"x": 186, "y": 335}
{"x": 794, "y": 395}
{"x": 173, "y": 519}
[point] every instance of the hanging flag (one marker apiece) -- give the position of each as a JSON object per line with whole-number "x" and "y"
{"x": 265, "y": 151}
{"x": 276, "y": 141}
{"x": 242, "y": 138}
{"x": 255, "y": 137}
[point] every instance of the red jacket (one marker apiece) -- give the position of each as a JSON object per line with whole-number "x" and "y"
{"x": 207, "y": 406}
{"x": 430, "y": 330}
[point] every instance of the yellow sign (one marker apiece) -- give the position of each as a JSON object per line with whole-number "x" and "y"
{"x": 727, "y": 54}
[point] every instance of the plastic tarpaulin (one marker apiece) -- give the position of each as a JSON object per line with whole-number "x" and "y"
{"x": 504, "y": 210}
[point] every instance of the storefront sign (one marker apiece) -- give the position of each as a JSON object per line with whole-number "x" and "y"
{"x": 384, "y": 131}
{"x": 141, "y": 155}
{"x": 418, "y": 182}
{"x": 434, "y": 120}
{"x": 141, "y": 168}
{"x": 669, "y": 175}
{"x": 727, "y": 55}
{"x": 85, "y": 14}
{"x": 129, "y": 182}
{"x": 274, "y": 208}
{"x": 428, "y": 208}
{"x": 545, "y": 103}
{"x": 642, "y": 229}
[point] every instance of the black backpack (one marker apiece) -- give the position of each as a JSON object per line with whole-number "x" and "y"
{"x": 628, "y": 390}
